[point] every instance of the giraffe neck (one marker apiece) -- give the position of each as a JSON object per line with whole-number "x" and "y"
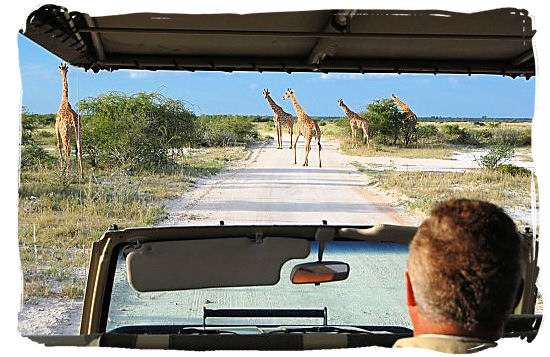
{"x": 401, "y": 105}
{"x": 297, "y": 107}
{"x": 65, "y": 95}
{"x": 348, "y": 112}
{"x": 273, "y": 105}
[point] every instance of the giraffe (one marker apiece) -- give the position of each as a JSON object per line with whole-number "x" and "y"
{"x": 67, "y": 125}
{"x": 355, "y": 122}
{"x": 411, "y": 120}
{"x": 304, "y": 126}
{"x": 280, "y": 118}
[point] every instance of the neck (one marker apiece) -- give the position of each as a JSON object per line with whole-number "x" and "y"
{"x": 422, "y": 326}
{"x": 346, "y": 109}
{"x": 65, "y": 95}
{"x": 297, "y": 106}
{"x": 272, "y": 104}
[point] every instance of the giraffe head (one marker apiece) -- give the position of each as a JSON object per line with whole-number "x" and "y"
{"x": 265, "y": 93}
{"x": 63, "y": 69}
{"x": 393, "y": 96}
{"x": 340, "y": 102}
{"x": 289, "y": 92}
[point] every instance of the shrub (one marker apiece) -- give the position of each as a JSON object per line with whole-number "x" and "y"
{"x": 427, "y": 131}
{"x": 224, "y": 130}
{"x": 454, "y": 134}
{"x": 134, "y": 131}
{"x": 513, "y": 170}
{"x": 483, "y": 134}
{"x": 496, "y": 157}
{"x": 452, "y": 130}
{"x": 386, "y": 121}
{"x": 34, "y": 154}
{"x": 513, "y": 137}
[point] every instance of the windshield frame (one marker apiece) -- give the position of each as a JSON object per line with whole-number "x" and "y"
{"x": 105, "y": 252}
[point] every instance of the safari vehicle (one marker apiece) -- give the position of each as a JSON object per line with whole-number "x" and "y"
{"x": 272, "y": 286}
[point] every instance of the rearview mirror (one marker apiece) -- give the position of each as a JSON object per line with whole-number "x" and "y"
{"x": 319, "y": 272}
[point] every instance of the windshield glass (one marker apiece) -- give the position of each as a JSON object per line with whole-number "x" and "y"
{"x": 372, "y": 295}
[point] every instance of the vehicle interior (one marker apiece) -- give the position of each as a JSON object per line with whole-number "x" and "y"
{"x": 265, "y": 286}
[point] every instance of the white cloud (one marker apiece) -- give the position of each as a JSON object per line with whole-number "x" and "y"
{"x": 139, "y": 74}
{"x": 352, "y": 76}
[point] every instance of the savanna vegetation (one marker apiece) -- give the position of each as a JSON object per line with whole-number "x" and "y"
{"x": 138, "y": 149}
{"x": 496, "y": 180}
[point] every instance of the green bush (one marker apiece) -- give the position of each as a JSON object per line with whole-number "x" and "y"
{"x": 513, "y": 170}
{"x": 386, "y": 121}
{"x": 225, "y": 130}
{"x": 34, "y": 154}
{"x": 496, "y": 157}
{"x": 454, "y": 134}
{"x": 513, "y": 137}
{"x": 134, "y": 131}
{"x": 427, "y": 131}
{"x": 484, "y": 135}
{"x": 344, "y": 122}
{"x": 452, "y": 130}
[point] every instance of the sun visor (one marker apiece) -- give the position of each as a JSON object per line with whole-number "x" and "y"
{"x": 207, "y": 263}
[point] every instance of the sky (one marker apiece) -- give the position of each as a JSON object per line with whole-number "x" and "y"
{"x": 241, "y": 92}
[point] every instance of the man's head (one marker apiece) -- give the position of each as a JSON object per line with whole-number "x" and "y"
{"x": 464, "y": 270}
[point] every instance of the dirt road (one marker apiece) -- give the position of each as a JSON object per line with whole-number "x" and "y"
{"x": 268, "y": 188}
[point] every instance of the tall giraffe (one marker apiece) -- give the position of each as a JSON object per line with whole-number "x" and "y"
{"x": 67, "y": 125}
{"x": 304, "y": 126}
{"x": 355, "y": 122}
{"x": 411, "y": 120}
{"x": 280, "y": 118}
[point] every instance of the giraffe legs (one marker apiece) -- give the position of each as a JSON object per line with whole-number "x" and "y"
{"x": 295, "y": 143}
{"x": 291, "y": 136}
{"x": 279, "y": 135}
{"x": 353, "y": 137}
{"x": 308, "y": 149}
{"x": 79, "y": 148}
{"x": 59, "y": 144}
{"x": 366, "y": 136}
{"x": 319, "y": 144}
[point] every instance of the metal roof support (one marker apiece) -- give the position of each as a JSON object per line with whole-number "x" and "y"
{"x": 96, "y": 38}
{"x": 338, "y": 23}
{"x": 524, "y": 57}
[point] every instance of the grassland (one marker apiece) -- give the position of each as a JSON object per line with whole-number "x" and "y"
{"x": 60, "y": 216}
{"x": 419, "y": 191}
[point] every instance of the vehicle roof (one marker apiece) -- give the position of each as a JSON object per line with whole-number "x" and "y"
{"x": 400, "y": 41}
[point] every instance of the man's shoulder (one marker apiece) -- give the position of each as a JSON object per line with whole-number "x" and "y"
{"x": 446, "y": 343}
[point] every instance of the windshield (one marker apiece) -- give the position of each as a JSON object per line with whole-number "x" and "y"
{"x": 372, "y": 295}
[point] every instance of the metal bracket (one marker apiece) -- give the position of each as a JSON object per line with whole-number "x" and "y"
{"x": 323, "y": 235}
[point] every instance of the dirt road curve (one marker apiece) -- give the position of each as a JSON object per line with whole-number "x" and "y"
{"x": 268, "y": 188}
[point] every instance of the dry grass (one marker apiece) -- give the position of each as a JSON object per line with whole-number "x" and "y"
{"x": 60, "y": 217}
{"x": 422, "y": 190}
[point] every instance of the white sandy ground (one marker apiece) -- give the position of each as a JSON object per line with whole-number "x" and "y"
{"x": 266, "y": 188}
{"x": 457, "y": 162}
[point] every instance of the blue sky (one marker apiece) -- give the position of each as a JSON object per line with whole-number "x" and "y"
{"x": 241, "y": 92}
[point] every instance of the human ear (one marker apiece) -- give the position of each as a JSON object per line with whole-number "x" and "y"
{"x": 410, "y": 295}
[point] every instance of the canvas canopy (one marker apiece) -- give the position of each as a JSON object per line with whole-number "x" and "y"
{"x": 363, "y": 41}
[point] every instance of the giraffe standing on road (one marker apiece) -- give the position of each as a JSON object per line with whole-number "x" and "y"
{"x": 355, "y": 122}
{"x": 304, "y": 126}
{"x": 411, "y": 131}
{"x": 280, "y": 118}
{"x": 67, "y": 125}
